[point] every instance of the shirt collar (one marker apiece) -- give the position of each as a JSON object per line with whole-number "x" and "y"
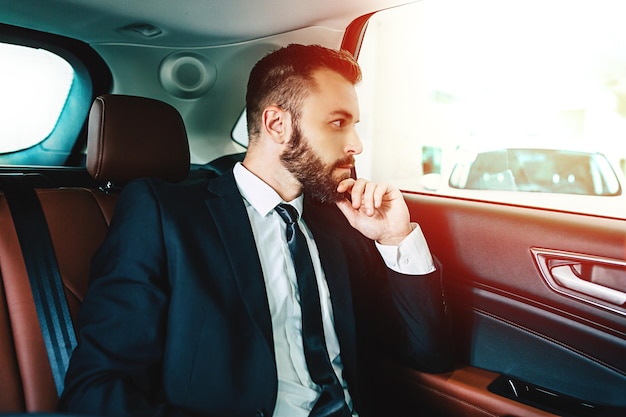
{"x": 259, "y": 194}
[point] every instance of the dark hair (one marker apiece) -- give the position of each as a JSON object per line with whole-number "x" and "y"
{"x": 285, "y": 77}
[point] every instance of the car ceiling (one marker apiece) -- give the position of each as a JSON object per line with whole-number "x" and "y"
{"x": 230, "y": 35}
{"x": 187, "y": 22}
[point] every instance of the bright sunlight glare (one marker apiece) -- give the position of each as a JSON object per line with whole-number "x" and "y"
{"x": 498, "y": 73}
{"x": 34, "y": 84}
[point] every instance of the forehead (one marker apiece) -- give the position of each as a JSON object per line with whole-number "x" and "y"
{"x": 332, "y": 93}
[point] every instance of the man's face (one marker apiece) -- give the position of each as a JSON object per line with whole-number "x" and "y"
{"x": 324, "y": 139}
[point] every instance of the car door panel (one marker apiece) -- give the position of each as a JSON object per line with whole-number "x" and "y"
{"x": 513, "y": 318}
{"x": 461, "y": 393}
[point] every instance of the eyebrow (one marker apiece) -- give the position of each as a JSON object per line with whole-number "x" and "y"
{"x": 344, "y": 113}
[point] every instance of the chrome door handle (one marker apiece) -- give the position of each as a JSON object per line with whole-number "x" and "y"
{"x": 596, "y": 280}
{"x": 565, "y": 276}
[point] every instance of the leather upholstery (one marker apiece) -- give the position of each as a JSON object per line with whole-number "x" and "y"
{"x": 75, "y": 238}
{"x": 12, "y": 397}
{"x": 35, "y": 387}
{"x": 131, "y": 137}
{"x": 461, "y": 393}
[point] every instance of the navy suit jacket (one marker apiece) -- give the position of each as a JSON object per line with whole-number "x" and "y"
{"x": 176, "y": 319}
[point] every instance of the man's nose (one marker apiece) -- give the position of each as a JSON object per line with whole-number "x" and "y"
{"x": 353, "y": 145}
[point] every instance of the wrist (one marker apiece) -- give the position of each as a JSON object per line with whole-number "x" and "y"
{"x": 397, "y": 238}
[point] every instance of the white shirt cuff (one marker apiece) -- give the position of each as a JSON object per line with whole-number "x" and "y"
{"x": 411, "y": 257}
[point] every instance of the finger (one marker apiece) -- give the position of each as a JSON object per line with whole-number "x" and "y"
{"x": 356, "y": 194}
{"x": 375, "y": 194}
{"x": 345, "y": 185}
{"x": 379, "y": 194}
{"x": 369, "y": 194}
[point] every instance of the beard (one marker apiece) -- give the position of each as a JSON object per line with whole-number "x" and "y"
{"x": 308, "y": 168}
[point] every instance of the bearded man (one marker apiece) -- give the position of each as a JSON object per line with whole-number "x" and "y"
{"x": 261, "y": 291}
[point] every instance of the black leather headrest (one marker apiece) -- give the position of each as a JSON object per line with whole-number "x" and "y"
{"x": 131, "y": 137}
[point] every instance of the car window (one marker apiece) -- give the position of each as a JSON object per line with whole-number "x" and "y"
{"x": 527, "y": 108}
{"x": 240, "y": 131}
{"x": 47, "y": 90}
{"x": 34, "y": 84}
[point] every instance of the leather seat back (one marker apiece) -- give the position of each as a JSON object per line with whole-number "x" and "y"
{"x": 128, "y": 137}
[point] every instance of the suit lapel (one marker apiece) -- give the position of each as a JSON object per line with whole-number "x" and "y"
{"x": 227, "y": 208}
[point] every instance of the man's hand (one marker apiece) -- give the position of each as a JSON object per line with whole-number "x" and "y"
{"x": 377, "y": 210}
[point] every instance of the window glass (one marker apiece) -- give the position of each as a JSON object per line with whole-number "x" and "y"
{"x": 521, "y": 102}
{"x": 240, "y": 131}
{"x": 35, "y": 84}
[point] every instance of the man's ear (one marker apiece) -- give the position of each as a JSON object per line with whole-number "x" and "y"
{"x": 277, "y": 123}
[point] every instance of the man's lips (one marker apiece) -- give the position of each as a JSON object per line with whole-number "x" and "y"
{"x": 347, "y": 163}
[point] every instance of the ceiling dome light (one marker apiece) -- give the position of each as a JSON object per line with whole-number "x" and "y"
{"x": 144, "y": 29}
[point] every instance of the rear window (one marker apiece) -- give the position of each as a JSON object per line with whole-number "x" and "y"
{"x": 35, "y": 84}
{"x": 47, "y": 85}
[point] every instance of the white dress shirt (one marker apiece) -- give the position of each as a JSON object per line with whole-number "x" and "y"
{"x": 296, "y": 391}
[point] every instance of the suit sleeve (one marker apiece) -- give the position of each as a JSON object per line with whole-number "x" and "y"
{"x": 406, "y": 315}
{"x": 425, "y": 329}
{"x": 116, "y": 367}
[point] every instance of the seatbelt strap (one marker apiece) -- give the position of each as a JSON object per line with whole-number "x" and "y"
{"x": 45, "y": 279}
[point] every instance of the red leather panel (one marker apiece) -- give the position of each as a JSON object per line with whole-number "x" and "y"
{"x": 107, "y": 203}
{"x": 11, "y": 399}
{"x": 461, "y": 393}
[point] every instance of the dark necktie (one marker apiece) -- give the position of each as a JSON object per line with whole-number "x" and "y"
{"x": 331, "y": 402}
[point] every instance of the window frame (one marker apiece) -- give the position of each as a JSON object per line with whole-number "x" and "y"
{"x": 65, "y": 143}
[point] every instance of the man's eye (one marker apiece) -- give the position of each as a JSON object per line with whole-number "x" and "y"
{"x": 339, "y": 123}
